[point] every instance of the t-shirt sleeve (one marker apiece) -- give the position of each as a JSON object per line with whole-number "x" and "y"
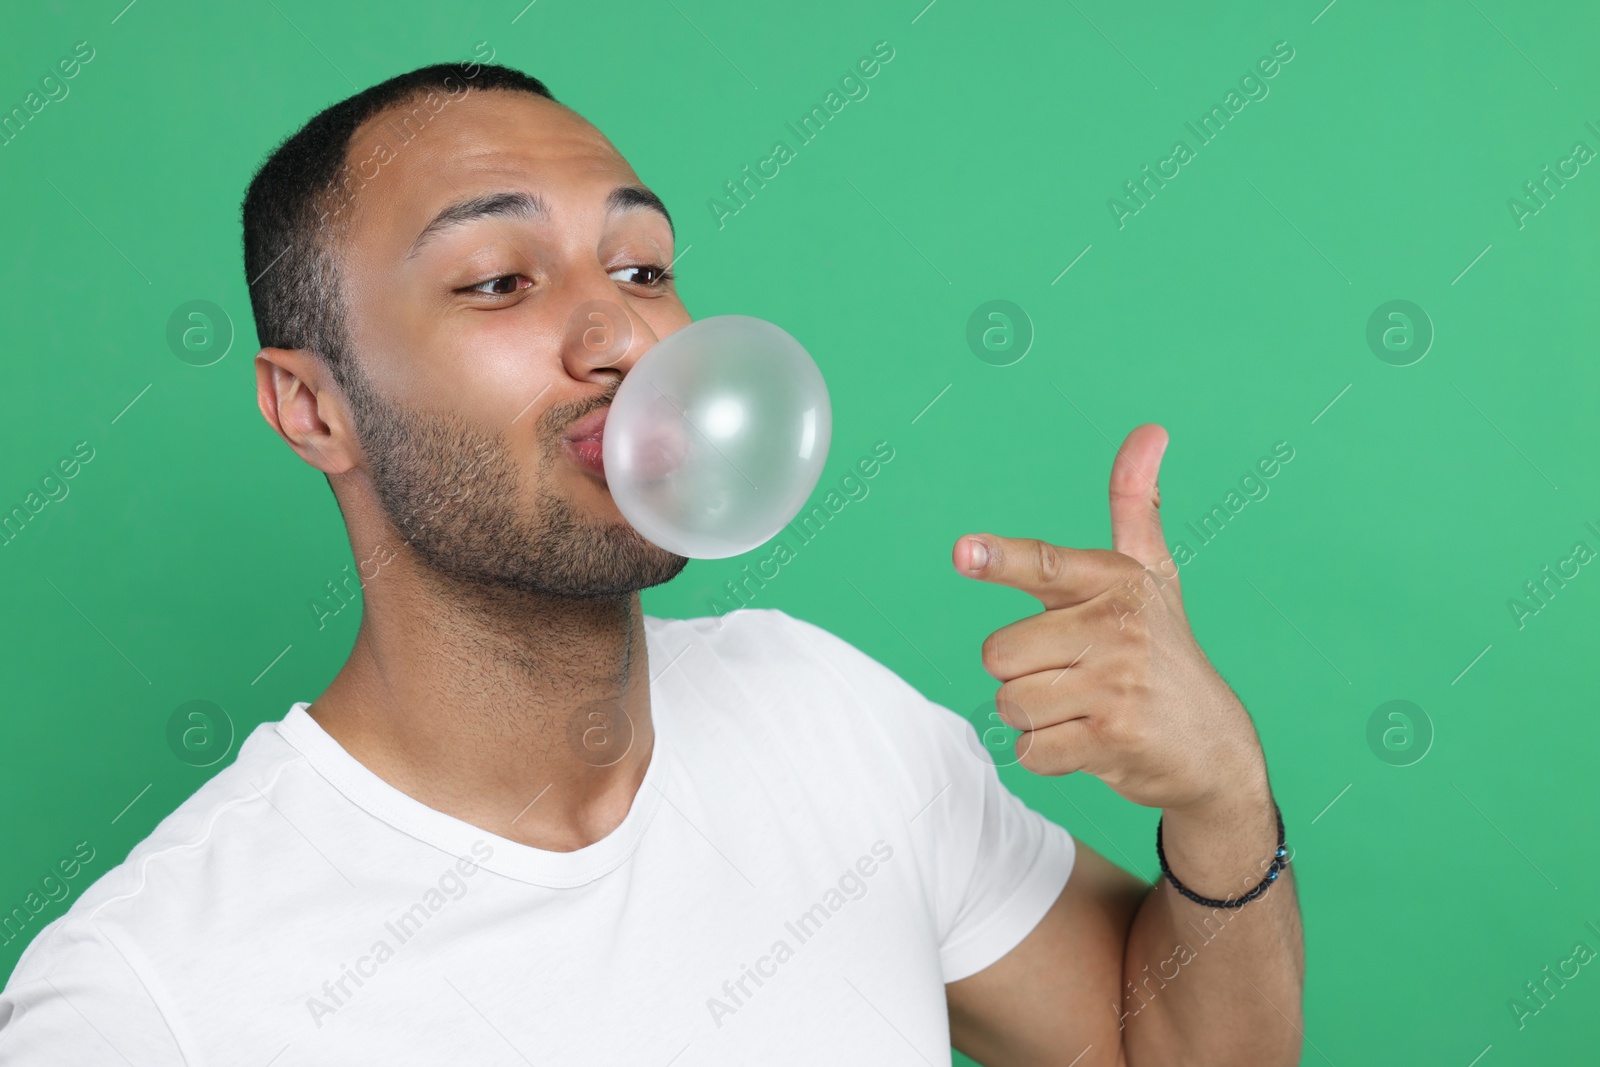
{"x": 1000, "y": 864}
{"x": 74, "y": 1000}
{"x": 994, "y": 865}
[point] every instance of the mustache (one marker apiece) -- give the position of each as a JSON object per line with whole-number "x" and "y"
{"x": 559, "y": 416}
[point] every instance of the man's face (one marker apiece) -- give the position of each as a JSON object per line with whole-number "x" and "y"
{"x": 469, "y": 264}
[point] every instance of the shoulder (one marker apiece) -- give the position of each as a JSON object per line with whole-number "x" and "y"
{"x": 771, "y": 639}
{"x": 184, "y": 858}
{"x": 773, "y": 643}
{"x": 86, "y": 1000}
{"x": 101, "y": 960}
{"x": 813, "y": 683}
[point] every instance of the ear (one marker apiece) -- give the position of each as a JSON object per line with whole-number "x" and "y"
{"x": 300, "y": 400}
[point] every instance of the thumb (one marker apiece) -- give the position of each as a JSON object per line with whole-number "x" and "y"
{"x": 1136, "y": 498}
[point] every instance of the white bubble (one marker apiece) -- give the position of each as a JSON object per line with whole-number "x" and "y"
{"x": 717, "y": 436}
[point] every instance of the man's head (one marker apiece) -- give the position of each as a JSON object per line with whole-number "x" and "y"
{"x": 424, "y": 261}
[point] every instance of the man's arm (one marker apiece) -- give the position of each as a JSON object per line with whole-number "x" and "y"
{"x": 1054, "y": 996}
{"x": 1109, "y": 680}
{"x": 1218, "y": 985}
{"x": 1122, "y": 974}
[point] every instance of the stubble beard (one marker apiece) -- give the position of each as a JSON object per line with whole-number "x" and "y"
{"x": 452, "y": 492}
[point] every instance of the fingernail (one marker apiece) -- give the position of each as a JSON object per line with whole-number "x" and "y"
{"x": 979, "y": 555}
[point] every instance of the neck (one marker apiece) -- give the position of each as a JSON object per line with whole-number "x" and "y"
{"x": 522, "y": 714}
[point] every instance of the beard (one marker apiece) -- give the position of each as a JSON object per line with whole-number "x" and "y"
{"x": 453, "y": 493}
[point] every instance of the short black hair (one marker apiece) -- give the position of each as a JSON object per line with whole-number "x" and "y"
{"x": 293, "y": 207}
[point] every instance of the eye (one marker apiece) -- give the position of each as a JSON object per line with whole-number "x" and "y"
{"x": 659, "y": 275}
{"x": 504, "y": 285}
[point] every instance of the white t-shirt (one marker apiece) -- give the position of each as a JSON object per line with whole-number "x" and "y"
{"x": 815, "y": 850}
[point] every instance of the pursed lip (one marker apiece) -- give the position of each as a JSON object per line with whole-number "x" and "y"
{"x": 590, "y": 427}
{"x": 584, "y": 441}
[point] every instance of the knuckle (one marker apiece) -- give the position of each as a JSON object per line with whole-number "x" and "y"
{"x": 1120, "y": 731}
{"x": 1133, "y": 732}
{"x": 994, "y": 653}
{"x": 1009, "y": 708}
{"x": 1138, "y": 624}
{"x": 1047, "y": 560}
{"x": 1128, "y": 613}
{"x": 1129, "y": 687}
{"x": 1147, "y": 584}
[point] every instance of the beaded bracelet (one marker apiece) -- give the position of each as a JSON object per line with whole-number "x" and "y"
{"x": 1278, "y": 864}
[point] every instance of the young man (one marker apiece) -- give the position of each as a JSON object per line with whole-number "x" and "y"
{"x": 527, "y": 823}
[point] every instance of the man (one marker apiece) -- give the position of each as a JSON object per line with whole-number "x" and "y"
{"x": 527, "y": 823}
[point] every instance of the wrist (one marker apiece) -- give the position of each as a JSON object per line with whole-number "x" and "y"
{"x": 1238, "y": 790}
{"x": 1222, "y": 848}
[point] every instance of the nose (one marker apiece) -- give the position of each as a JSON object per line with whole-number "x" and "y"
{"x": 604, "y": 338}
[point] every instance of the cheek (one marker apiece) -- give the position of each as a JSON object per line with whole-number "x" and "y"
{"x": 497, "y": 369}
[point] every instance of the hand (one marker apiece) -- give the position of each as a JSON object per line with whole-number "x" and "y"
{"x": 1109, "y": 678}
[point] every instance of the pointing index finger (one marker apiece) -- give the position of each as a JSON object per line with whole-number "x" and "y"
{"x": 1058, "y": 577}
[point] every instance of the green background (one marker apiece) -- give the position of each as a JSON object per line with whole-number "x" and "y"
{"x": 1232, "y": 309}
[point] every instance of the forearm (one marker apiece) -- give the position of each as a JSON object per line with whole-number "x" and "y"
{"x": 1217, "y": 986}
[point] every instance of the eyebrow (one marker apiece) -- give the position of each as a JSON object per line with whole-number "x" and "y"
{"x": 521, "y": 205}
{"x": 636, "y": 197}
